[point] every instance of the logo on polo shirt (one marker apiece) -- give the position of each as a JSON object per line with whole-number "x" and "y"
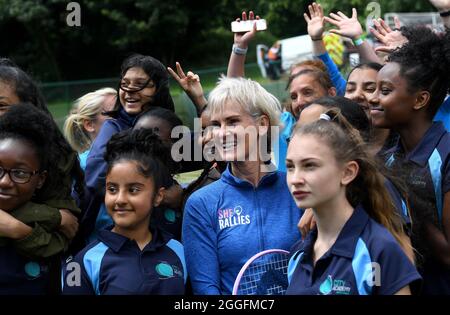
{"x": 232, "y": 217}
{"x": 33, "y": 270}
{"x": 171, "y": 215}
{"x": 167, "y": 271}
{"x": 336, "y": 286}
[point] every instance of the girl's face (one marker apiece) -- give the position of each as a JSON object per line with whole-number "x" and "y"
{"x": 314, "y": 177}
{"x": 21, "y": 161}
{"x": 311, "y": 114}
{"x": 130, "y": 196}
{"x": 136, "y": 90}
{"x": 361, "y": 85}
{"x": 236, "y": 133}
{"x": 391, "y": 104}
{"x": 305, "y": 89}
{"x": 8, "y": 97}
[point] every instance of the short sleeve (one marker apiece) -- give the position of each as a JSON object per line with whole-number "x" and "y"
{"x": 393, "y": 270}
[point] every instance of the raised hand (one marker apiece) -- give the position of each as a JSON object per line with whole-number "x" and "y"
{"x": 348, "y": 27}
{"x": 441, "y": 5}
{"x": 190, "y": 83}
{"x": 391, "y": 39}
{"x": 307, "y": 222}
{"x": 315, "y": 21}
{"x": 242, "y": 39}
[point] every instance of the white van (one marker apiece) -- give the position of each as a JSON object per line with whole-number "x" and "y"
{"x": 293, "y": 50}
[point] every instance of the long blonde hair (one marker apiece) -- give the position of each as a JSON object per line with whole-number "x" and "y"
{"x": 85, "y": 108}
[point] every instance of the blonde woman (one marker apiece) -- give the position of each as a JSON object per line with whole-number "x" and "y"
{"x": 86, "y": 118}
{"x": 247, "y": 210}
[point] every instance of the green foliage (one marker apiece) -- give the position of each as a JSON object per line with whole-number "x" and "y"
{"x": 194, "y": 32}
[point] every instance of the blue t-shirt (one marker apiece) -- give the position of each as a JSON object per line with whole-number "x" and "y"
{"x": 426, "y": 172}
{"x": 83, "y": 158}
{"x": 116, "y": 265}
{"x": 335, "y": 75}
{"x": 229, "y": 221}
{"x": 365, "y": 260}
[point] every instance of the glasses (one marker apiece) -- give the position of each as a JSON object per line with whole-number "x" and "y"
{"x": 127, "y": 87}
{"x": 17, "y": 175}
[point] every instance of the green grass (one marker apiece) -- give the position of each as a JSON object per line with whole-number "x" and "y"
{"x": 186, "y": 178}
{"x": 59, "y": 111}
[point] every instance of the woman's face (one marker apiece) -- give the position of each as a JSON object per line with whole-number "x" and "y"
{"x": 392, "y": 104}
{"x": 313, "y": 175}
{"x": 8, "y": 97}
{"x": 361, "y": 84}
{"x": 21, "y": 161}
{"x": 95, "y": 125}
{"x": 136, "y": 90}
{"x": 303, "y": 90}
{"x": 236, "y": 133}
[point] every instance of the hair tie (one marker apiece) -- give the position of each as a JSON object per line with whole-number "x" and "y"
{"x": 325, "y": 117}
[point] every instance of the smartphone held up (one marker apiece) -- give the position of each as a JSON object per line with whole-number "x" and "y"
{"x": 247, "y": 26}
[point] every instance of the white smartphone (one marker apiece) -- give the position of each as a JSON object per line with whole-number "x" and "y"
{"x": 247, "y": 26}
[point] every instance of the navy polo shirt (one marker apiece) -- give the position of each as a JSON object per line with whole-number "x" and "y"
{"x": 426, "y": 172}
{"x": 365, "y": 260}
{"x": 399, "y": 204}
{"x": 21, "y": 275}
{"x": 116, "y": 265}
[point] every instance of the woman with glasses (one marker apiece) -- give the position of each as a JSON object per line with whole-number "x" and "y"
{"x": 30, "y": 237}
{"x": 144, "y": 84}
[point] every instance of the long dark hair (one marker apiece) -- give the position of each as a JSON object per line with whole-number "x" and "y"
{"x": 157, "y": 73}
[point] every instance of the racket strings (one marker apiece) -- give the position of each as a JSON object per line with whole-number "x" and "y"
{"x": 266, "y": 275}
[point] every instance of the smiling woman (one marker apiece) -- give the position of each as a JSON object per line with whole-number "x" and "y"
{"x": 248, "y": 209}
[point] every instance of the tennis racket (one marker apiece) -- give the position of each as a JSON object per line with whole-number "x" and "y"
{"x": 263, "y": 274}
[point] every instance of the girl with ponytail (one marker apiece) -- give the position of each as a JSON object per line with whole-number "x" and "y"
{"x": 133, "y": 257}
{"x": 85, "y": 120}
{"x": 356, "y": 247}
